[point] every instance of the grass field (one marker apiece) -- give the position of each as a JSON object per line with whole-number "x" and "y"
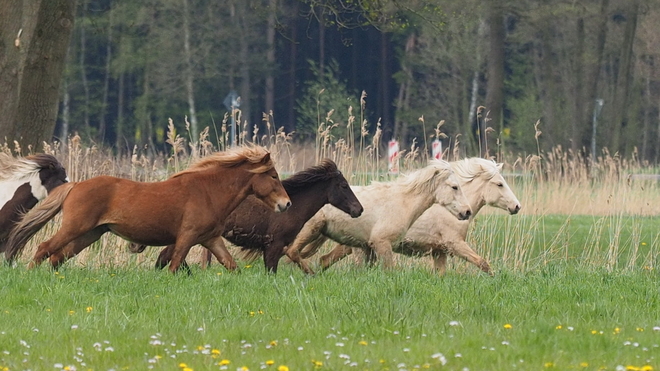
{"x": 553, "y": 307}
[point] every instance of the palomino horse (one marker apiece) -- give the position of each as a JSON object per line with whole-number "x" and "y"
{"x": 437, "y": 232}
{"x": 183, "y": 210}
{"x": 24, "y": 181}
{"x": 258, "y": 229}
{"x": 389, "y": 210}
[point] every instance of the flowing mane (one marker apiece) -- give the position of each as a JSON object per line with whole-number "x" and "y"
{"x": 326, "y": 170}
{"x": 475, "y": 167}
{"x": 17, "y": 168}
{"x": 423, "y": 180}
{"x": 230, "y": 158}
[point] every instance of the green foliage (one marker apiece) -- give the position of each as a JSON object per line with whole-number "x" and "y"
{"x": 323, "y": 94}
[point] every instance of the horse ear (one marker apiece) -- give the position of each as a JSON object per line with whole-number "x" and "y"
{"x": 266, "y": 158}
{"x": 499, "y": 166}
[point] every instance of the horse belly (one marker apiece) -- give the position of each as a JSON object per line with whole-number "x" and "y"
{"x": 148, "y": 235}
{"x": 21, "y": 200}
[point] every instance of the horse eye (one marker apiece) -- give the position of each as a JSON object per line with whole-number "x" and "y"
{"x": 455, "y": 188}
{"x": 500, "y": 184}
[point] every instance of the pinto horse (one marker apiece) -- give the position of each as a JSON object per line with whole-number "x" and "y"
{"x": 24, "y": 181}
{"x": 257, "y": 229}
{"x": 436, "y": 232}
{"x": 183, "y": 210}
{"x": 389, "y": 210}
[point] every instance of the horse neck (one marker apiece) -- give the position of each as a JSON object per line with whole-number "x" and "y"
{"x": 234, "y": 179}
{"x": 473, "y": 191}
{"x": 308, "y": 200}
{"x": 418, "y": 202}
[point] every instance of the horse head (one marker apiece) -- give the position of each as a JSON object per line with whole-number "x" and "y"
{"x": 266, "y": 185}
{"x": 448, "y": 192}
{"x": 483, "y": 183}
{"x": 342, "y": 197}
{"x": 51, "y": 173}
{"x": 498, "y": 193}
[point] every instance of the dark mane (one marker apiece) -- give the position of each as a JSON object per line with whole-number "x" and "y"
{"x": 43, "y": 160}
{"x": 326, "y": 170}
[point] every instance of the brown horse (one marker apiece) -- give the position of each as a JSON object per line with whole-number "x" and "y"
{"x": 257, "y": 229}
{"x": 183, "y": 210}
{"x": 24, "y": 181}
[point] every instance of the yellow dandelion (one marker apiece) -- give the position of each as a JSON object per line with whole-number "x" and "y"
{"x": 182, "y": 365}
{"x": 215, "y": 352}
{"x": 617, "y": 330}
{"x": 632, "y": 368}
{"x": 260, "y": 311}
{"x": 363, "y": 342}
{"x": 186, "y": 369}
{"x": 640, "y": 329}
{"x": 549, "y": 364}
{"x": 558, "y": 327}
{"x": 273, "y": 343}
{"x": 200, "y": 348}
{"x": 643, "y": 243}
{"x": 157, "y": 356}
{"x": 382, "y": 361}
{"x": 282, "y": 368}
{"x": 244, "y": 368}
{"x": 219, "y": 273}
{"x": 594, "y": 332}
{"x": 270, "y": 362}
{"x": 89, "y": 309}
{"x": 426, "y": 365}
{"x": 584, "y": 364}
{"x": 647, "y": 368}
{"x": 224, "y": 362}
{"x": 251, "y": 314}
{"x": 317, "y": 363}
{"x": 508, "y": 326}
{"x": 72, "y": 312}
{"x": 248, "y": 266}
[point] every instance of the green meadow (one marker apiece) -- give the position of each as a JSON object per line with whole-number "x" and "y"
{"x": 569, "y": 293}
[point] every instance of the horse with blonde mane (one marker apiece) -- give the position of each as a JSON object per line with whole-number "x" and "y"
{"x": 389, "y": 210}
{"x": 188, "y": 208}
{"x": 24, "y": 181}
{"x": 436, "y": 232}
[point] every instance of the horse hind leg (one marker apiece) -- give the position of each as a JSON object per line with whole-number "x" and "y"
{"x": 74, "y": 247}
{"x": 217, "y": 247}
{"x": 337, "y": 254}
{"x": 311, "y": 248}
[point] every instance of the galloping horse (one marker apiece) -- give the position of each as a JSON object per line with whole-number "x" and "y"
{"x": 258, "y": 229}
{"x": 24, "y": 181}
{"x": 437, "y": 232}
{"x": 389, "y": 210}
{"x": 184, "y": 210}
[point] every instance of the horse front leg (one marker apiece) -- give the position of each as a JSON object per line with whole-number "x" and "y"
{"x": 218, "y": 248}
{"x": 295, "y": 256}
{"x": 383, "y": 249}
{"x": 337, "y": 254}
{"x": 464, "y": 251}
{"x": 439, "y": 256}
{"x": 180, "y": 251}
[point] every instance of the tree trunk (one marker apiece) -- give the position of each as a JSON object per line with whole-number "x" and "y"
{"x": 83, "y": 72}
{"x": 622, "y": 88}
{"x": 495, "y": 74}
{"x": 270, "y": 57}
{"x": 189, "y": 75}
{"x": 106, "y": 79}
{"x": 34, "y": 38}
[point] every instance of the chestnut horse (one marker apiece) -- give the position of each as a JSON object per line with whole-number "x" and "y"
{"x": 183, "y": 210}
{"x": 257, "y": 229}
{"x": 24, "y": 181}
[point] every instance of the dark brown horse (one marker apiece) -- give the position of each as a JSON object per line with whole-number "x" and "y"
{"x": 183, "y": 210}
{"x": 257, "y": 229}
{"x": 24, "y": 181}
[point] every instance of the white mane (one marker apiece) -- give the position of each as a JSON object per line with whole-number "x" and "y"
{"x": 424, "y": 180}
{"x": 475, "y": 167}
{"x": 12, "y": 169}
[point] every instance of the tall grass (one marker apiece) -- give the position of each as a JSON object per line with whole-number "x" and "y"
{"x": 615, "y": 193}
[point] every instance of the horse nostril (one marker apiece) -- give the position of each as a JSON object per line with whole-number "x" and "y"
{"x": 468, "y": 214}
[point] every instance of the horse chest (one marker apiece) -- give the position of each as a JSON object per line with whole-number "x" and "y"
{"x": 21, "y": 193}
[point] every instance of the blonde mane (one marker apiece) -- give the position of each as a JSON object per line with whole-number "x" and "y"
{"x": 475, "y": 167}
{"x": 233, "y": 157}
{"x": 424, "y": 180}
{"x": 16, "y": 168}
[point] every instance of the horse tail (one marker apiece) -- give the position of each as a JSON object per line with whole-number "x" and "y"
{"x": 248, "y": 254}
{"x": 35, "y": 219}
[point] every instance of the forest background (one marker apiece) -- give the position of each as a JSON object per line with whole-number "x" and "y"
{"x": 587, "y": 69}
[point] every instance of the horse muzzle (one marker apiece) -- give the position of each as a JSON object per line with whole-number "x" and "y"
{"x": 281, "y": 207}
{"x": 514, "y": 210}
{"x": 356, "y": 212}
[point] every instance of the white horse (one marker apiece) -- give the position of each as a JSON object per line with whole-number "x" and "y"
{"x": 389, "y": 210}
{"x": 437, "y": 232}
